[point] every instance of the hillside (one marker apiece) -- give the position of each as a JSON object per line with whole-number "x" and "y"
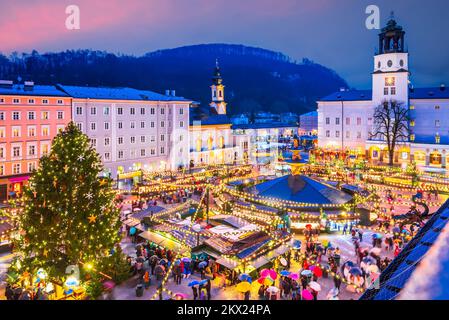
{"x": 255, "y": 79}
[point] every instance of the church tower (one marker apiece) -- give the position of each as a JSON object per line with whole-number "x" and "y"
{"x": 217, "y": 88}
{"x": 391, "y": 75}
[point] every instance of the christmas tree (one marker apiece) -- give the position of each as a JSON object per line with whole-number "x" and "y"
{"x": 70, "y": 216}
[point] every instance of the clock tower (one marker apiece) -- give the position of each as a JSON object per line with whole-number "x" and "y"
{"x": 391, "y": 75}
{"x": 217, "y": 88}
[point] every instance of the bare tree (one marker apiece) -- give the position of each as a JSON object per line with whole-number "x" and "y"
{"x": 390, "y": 124}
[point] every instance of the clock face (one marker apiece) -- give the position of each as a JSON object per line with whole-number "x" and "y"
{"x": 390, "y": 63}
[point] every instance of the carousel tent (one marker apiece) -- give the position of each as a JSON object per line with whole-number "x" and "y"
{"x": 302, "y": 189}
{"x": 419, "y": 271}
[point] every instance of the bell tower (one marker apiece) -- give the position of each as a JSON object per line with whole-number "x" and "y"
{"x": 391, "y": 75}
{"x": 217, "y": 89}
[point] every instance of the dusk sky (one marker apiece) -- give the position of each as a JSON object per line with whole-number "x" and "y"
{"x": 330, "y": 32}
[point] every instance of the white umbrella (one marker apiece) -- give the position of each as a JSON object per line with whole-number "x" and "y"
{"x": 315, "y": 286}
{"x": 273, "y": 289}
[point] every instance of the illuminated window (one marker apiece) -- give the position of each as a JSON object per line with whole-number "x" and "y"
{"x": 16, "y": 168}
{"x": 31, "y": 131}
{"x": 412, "y": 137}
{"x": 390, "y": 81}
{"x": 46, "y": 131}
{"x": 198, "y": 145}
{"x": 45, "y": 115}
{"x": 16, "y": 132}
{"x": 44, "y": 148}
{"x": 437, "y": 138}
{"x": 412, "y": 107}
{"x": 412, "y": 123}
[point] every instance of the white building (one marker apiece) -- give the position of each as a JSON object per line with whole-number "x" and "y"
{"x": 133, "y": 129}
{"x": 345, "y": 118}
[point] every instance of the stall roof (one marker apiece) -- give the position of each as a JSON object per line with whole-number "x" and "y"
{"x": 162, "y": 241}
{"x": 228, "y": 263}
{"x": 131, "y": 222}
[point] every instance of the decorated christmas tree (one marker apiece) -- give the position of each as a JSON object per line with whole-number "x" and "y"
{"x": 70, "y": 215}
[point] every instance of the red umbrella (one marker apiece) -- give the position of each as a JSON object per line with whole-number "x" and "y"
{"x": 317, "y": 271}
{"x": 308, "y": 226}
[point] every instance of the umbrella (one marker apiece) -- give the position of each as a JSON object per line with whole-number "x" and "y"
{"x": 265, "y": 281}
{"x": 193, "y": 283}
{"x": 180, "y": 296}
{"x": 306, "y": 295}
{"x": 202, "y": 264}
{"x": 326, "y": 243}
{"x": 177, "y": 262}
{"x": 203, "y": 282}
{"x": 265, "y": 273}
{"x": 294, "y": 276}
{"x": 273, "y": 275}
{"x": 355, "y": 271}
{"x": 186, "y": 259}
{"x": 297, "y": 244}
{"x": 317, "y": 271}
{"x": 243, "y": 277}
{"x": 372, "y": 269}
{"x": 306, "y": 273}
{"x": 108, "y": 285}
{"x": 396, "y": 230}
{"x": 308, "y": 226}
{"x": 273, "y": 289}
{"x": 315, "y": 286}
{"x": 283, "y": 261}
{"x": 377, "y": 236}
{"x": 285, "y": 273}
{"x": 132, "y": 231}
{"x": 243, "y": 287}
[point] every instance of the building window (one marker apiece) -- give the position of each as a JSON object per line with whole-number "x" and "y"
{"x": 16, "y": 152}
{"x": 328, "y": 134}
{"x": 59, "y": 102}
{"x": 412, "y": 123}
{"x": 2, "y": 100}
{"x": 142, "y": 110}
{"x": 106, "y": 111}
{"x": 412, "y": 107}
{"x": 31, "y": 150}
{"x": 16, "y": 101}
{"x": 437, "y": 107}
{"x": 132, "y": 124}
{"x": 142, "y": 139}
{"x": 31, "y": 101}
{"x": 45, "y": 115}
{"x": 152, "y": 151}
{"x": 412, "y": 137}
{"x": 328, "y": 120}
{"x": 16, "y": 115}
{"x": 93, "y": 142}
{"x": 44, "y": 149}
{"x": 107, "y": 156}
{"x": 93, "y": 126}
{"x": 16, "y": 168}
{"x": 31, "y": 131}
{"x": 162, "y": 111}
{"x": 45, "y": 101}
{"x": 16, "y": 132}
{"x": 93, "y": 111}
{"x": 2, "y": 152}
{"x": 181, "y": 124}
{"x": 60, "y": 115}
{"x": 80, "y": 126}
{"x": 142, "y": 124}
{"x": 390, "y": 82}
{"x": 162, "y": 137}
{"x": 348, "y": 135}
{"x": 120, "y": 140}
{"x": 2, "y": 132}
{"x": 152, "y": 124}
{"x": 337, "y": 134}
{"x": 359, "y": 121}
{"x": 393, "y": 91}
{"x": 162, "y": 124}
{"x": 348, "y": 121}
{"x": 152, "y": 138}
{"x": 120, "y": 125}
{"x": 106, "y": 126}
{"x": 152, "y": 111}
{"x": 106, "y": 141}
{"x": 133, "y": 139}
{"x": 132, "y": 111}
{"x": 437, "y": 123}
{"x": 2, "y": 115}
{"x": 142, "y": 153}
{"x": 385, "y": 91}
{"x": 337, "y": 121}
{"x": 162, "y": 150}
{"x": 2, "y": 170}
{"x": 79, "y": 111}
{"x": 181, "y": 111}
{"x": 120, "y": 110}
{"x": 437, "y": 138}
{"x": 31, "y": 115}
{"x": 120, "y": 154}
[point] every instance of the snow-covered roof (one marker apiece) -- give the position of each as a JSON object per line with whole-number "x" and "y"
{"x": 35, "y": 90}
{"x": 117, "y": 93}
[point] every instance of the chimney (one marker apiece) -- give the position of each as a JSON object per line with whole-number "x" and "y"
{"x": 442, "y": 87}
{"x": 173, "y": 93}
{"x": 28, "y": 85}
{"x": 167, "y": 92}
{"x": 6, "y": 84}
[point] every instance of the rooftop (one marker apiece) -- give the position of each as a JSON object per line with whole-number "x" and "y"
{"x": 35, "y": 90}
